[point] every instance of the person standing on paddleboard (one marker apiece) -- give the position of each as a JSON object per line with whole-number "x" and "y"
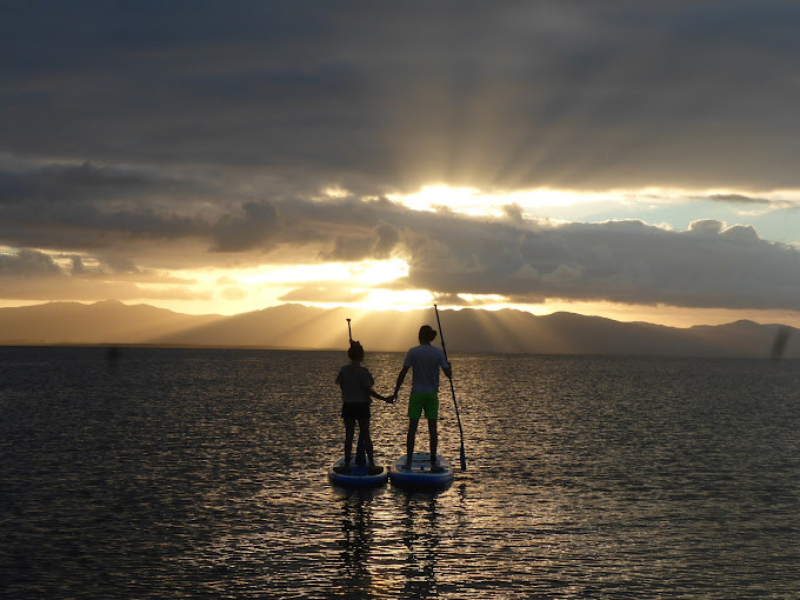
{"x": 356, "y": 383}
{"x": 425, "y": 360}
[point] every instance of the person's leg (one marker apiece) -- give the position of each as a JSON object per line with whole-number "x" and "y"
{"x": 349, "y": 434}
{"x": 363, "y": 427}
{"x": 412, "y": 435}
{"x": 432, "y": 415}
{"x": 349, "y": 431}
{"x": 415, "y": 404}
{"x": 433, "y": 431}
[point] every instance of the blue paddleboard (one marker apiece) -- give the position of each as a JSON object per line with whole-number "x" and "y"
{"x": 420, "y": 476}
{"x": 357, "y": 477}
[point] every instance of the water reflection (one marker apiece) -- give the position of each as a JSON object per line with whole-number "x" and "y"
{"x": 421, "y": 539}
{"x": 390, "y": 544}
{"x": 357, "y": 537}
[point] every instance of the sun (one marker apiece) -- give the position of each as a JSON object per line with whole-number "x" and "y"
{"x": 483, "y": 203}
{"x": 464, "y": 200}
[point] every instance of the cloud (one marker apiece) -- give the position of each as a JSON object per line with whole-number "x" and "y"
{"x": 745, "y": 234}
{"x": 34, "y": 275}
{"x": 134, "y": 143}
{"x": 627, "y": 262}
{"x": 325, "y": 294}
{"x": 708, "y": 265}
{"x": 68, "y": 182}
{"x": 745, "y": 201}
{"x": 28, "y": 262}
{"x": 233, "y": 293}
{"x": 738, "y": 199}
{"x": 258, "y": 226}
{"x": 706, "y": 227}
{"x": 67, "y": 287}
{"x": 378, "y": 243}
{"x": 505, "y": 94}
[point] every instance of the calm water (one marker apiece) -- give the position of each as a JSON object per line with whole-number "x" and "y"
{"x": 201, "y": 474}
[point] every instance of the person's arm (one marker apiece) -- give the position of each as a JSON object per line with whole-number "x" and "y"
{"x": 375, "y": 394}
{"x": 446, "y": 366}
{"x": 400, "y": 378}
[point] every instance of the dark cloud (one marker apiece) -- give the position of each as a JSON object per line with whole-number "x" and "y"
{"x": 745, "y": 201}
{"x": 76, "y": 227}
{"x": 569, "y": 94}
{"x": 28, "y": 262}
{"x": 257, "y": 227}
{"x": 738, "y": 199}
{"x": 708, "y": 266}
{"x": 379, "y": 243}
{"x": 86, "y": 182}
{"x": 78, "y": 267}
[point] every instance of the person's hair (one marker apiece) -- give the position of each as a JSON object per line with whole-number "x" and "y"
{"x": 356, "y": 351}
{"x": 427, "y": 333}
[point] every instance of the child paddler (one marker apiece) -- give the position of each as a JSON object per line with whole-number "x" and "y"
{"x": 356, "y": 383}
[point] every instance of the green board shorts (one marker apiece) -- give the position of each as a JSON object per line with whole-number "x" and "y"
{"x": 423, "y": 401}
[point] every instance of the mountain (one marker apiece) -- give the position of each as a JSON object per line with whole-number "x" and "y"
{"x": 467, "y": 330}
{"x": 106, "y": 322}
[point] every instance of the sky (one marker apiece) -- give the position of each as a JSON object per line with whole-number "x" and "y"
{"x": 635, "y": 160}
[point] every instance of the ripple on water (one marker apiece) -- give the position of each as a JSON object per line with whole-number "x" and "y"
{"x": 190, "y": 474}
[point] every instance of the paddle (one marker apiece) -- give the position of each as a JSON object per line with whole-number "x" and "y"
{"x": 452, "y": 389}
{"x": 361, "y": 451}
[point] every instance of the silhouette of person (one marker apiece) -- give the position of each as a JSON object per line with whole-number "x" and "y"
{"x": 781, "y": 339}
{"x": 356, "y": 383}
{"x": 425, "y": 361}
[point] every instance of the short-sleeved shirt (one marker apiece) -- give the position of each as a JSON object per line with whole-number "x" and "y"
{"x": 425, "y": 360}
{"x": 356, "y": 382}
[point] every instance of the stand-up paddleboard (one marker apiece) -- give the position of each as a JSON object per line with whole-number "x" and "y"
{"x": 420, "y": 476}
{"x": 358, "y": 476}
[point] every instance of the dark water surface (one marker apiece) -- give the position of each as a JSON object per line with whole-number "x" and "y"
{"x": 201, "y": 474}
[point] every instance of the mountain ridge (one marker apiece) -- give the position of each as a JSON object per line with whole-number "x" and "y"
{"x": 508, "y": 331}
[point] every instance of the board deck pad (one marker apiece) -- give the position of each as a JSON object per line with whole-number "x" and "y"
{"x": 420, "y": 475}
{"x": 358, "y": 476}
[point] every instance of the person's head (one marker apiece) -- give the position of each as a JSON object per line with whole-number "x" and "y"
{"x": 426, "y": 334}
{"x": 356, "y": 351}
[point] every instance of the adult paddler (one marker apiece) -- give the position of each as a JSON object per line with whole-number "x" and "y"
{"x": 425, "y": 361}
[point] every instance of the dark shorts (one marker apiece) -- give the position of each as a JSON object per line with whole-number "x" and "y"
{"x": 355, "y": 410}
